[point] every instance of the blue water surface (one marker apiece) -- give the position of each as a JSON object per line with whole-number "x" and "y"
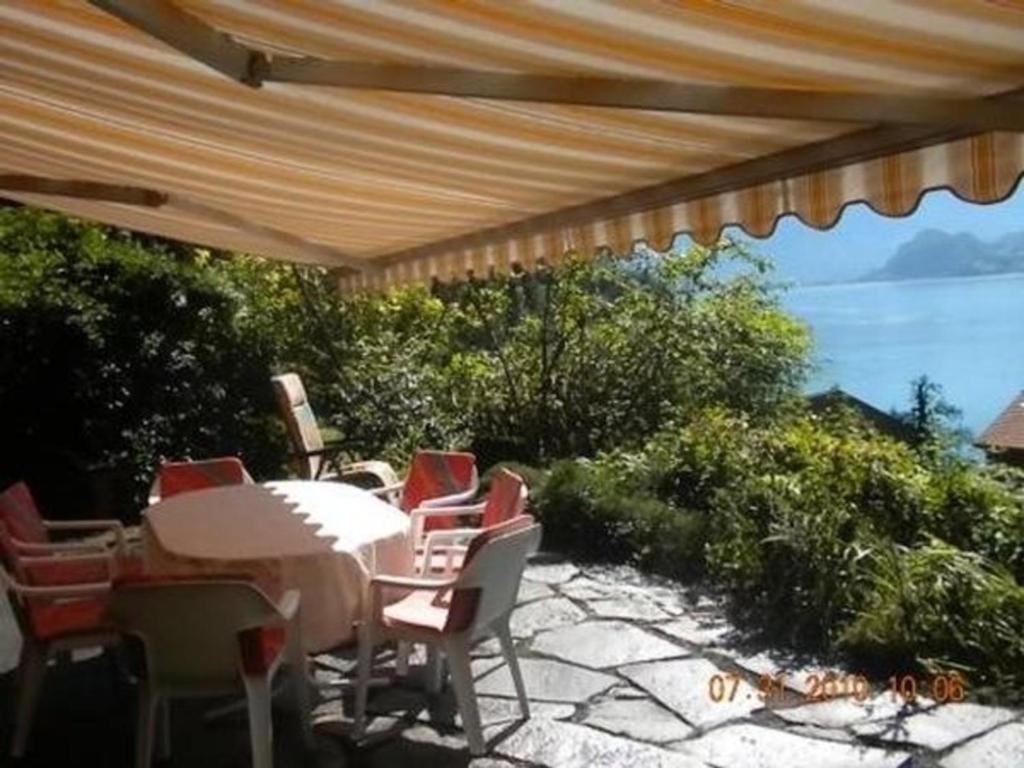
{"x": 872, "y": 339}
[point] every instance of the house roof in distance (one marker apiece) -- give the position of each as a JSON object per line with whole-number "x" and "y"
{"x": 884, "y": 422}
{"x": 1007, "y": 431}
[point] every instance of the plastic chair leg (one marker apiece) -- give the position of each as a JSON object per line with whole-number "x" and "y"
{"x": 163, "y": 728}
{"x": 145, "y": 730}
{"x": 31, "y": 671}
{"x": 300, "y": 685}
{"x": 508, "y": 650}
{"x": 261, "y": 729}
{"x": 363, "y": 677}
{"x": 457, "y": 651}
{"x": 402, "y": 651}
{"x": 435, "y": 670}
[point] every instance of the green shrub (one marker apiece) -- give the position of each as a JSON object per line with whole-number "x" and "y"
{"x": 115, "y": 352}
{"x": 943, "y": 608}
{"x": 585, "y": 513}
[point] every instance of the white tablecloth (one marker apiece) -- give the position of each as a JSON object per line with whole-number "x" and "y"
{"x": 323, "y": 538}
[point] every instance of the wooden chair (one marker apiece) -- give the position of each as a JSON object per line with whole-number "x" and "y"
{"x": 59, "y": 604}
{"x": 315, "y": 459}
{"x": 211, "y": 637}
{"x": 450, "y": 614}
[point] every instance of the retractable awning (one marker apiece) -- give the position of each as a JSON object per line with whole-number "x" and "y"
{"x": 406, "y": 141}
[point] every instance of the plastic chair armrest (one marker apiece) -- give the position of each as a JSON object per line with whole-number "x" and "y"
{"x": 89, "y": 525}
{"x": 447, "y": 542}
{"x": 449, "y": 511}
{"x": 68, "y": 590}
{"x": 70, "y": 525}
{"x": 452, "y": 499}
{"x": 418, "y": 516}
{"x": 411, "y": 582}
{"x": 49, "y": 547}
{"x": 288, "y": 605}
{"x": 387, "y": 490}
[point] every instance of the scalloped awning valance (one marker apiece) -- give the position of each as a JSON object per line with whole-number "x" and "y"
{"x": 402, "y": 142}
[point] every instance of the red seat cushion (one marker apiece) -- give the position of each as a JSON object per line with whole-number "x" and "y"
{"x": 182, "y": 476}
{"x": 504, "y": 499}
{"x": 70, "y": 571}
{"x": 260, "y": 648}
{"x": 434, "y": 474}
{"x": 18, "y": 511}
{"x": 59, "y": 619}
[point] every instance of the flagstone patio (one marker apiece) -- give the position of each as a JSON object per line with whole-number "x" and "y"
{"x": 617, "y": 666}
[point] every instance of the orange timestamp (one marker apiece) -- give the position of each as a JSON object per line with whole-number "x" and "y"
{"x": 945, "y": 687}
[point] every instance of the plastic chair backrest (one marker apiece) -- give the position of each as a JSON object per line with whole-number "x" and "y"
{"x": 19, "y": 512}
{"x": 488, "y": 585}
{"x": 11, "y": 573}
{"x": 435, "y": 474}
{"x": 176, "y": 477}
{"x": 299, "y": 421}
{"x": 190, "y": 628}
{"x": 506, "y": 498}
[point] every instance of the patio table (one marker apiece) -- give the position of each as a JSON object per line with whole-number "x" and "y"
{"x": 325, "y": 539}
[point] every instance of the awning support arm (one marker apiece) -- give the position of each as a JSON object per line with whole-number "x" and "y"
{"x": 653, "y": 95}
{"x": 128, "y": 195}
{"x": 194, "y": 37}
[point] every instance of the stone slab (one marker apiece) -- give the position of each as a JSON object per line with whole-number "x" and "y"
{"x": 550, "y": 573}
{"x": 683, "y": 686}
{"x": 544, "y": 614}
{"x": 601, "y": 644}
{"x": 489, "y": 647}
{"x": 697, "y": 631}
{"x": 547, "y": 680}
{"x": 533, "y": 590}
{"x": 584, "y": 588}
{"x": 495, "y": 711}
{"x": 939, "y": 727}
{"x": 846, "y": 712}
{"x": 567, "y": 745}
{"x": 634, "y": 608}
{"x": 1000, "y": 748}
{"x": 799, "y": 673}
{"x": 639, "y": 719}
{"x": 754, "y": 746}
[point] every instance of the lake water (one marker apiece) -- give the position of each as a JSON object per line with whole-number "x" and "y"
{"x": 872, "y": 339}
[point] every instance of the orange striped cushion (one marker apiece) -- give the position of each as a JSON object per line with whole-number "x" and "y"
{"x": 19, "y": 512}
{"x": 58, "y": 619}
{"x": 182, "y": 476}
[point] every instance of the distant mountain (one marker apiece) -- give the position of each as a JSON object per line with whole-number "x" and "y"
{"x": 935, "y": 253}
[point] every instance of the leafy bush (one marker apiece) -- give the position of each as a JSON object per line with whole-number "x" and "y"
{"x": 586, "y": 513}
{"x": 943, "y": 607}
{"x": 113, "y": 354}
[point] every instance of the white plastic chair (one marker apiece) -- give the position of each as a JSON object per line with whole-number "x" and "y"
{"x": 442, "y": 550}
{"x": 56, "y": 612}
{"x": 435, "y": 479}
{"x": 207, "y": 637}
{"x": 451, "y": 614}
{"x": 31, "y": 533}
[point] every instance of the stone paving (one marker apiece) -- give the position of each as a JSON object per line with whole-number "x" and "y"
{"x": 617, "y": 667}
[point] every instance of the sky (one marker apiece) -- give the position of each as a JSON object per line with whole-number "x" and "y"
{"x": 863, "y": 240}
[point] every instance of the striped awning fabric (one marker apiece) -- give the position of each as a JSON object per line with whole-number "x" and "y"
{"x": 117, "y": 111}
